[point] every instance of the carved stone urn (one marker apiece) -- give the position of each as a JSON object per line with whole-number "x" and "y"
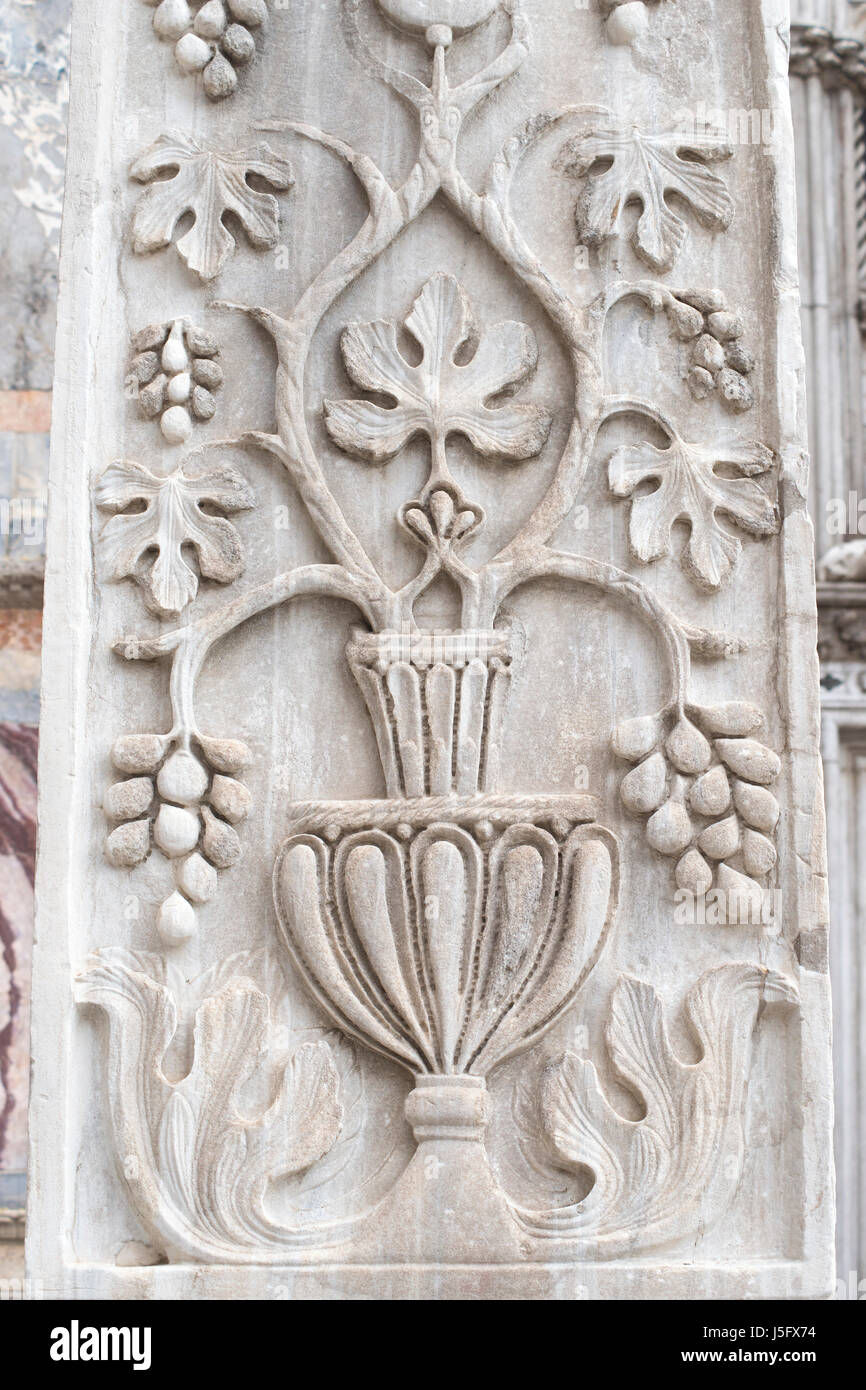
{"x": 447, "y": 933}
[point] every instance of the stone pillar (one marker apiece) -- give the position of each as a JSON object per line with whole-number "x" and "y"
{"x": 828, "y": 88}
{"x": 430, "y": 901}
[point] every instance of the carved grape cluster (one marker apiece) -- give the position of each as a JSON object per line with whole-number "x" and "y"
{"x": 175, "y": 376}
{"x": 705, "y": 787}
{"x": 719, "y": 362}
{"x": 184, "y": 805}
{"x": 213, "y": 39}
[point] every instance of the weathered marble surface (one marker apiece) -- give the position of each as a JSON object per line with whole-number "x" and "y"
{"x": 469, "y": 1047}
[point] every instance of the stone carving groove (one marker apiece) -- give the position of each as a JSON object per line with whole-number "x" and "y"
{"x": 449, "y": 926}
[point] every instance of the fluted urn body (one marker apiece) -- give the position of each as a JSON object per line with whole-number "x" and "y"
{"x": 447, "y": 926}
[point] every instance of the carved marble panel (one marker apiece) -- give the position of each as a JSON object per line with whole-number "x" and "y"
{"x": 432, "y": 879}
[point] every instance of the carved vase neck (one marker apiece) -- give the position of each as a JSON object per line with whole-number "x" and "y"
{"x": 437, "y": 701}
{"x": 454, "y": 1108}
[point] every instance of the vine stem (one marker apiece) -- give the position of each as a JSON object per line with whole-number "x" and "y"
{"x": 598, "y": 574}
{"x": 441, "y": 110}
{"x": 189, "y": 646}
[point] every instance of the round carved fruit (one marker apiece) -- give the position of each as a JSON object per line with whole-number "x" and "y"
{"x": 176, "y": 920}
{"x": 627, "y": 23}
{"x": 418, "y": 16}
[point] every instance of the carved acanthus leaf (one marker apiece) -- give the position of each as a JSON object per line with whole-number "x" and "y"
{"x": 644, "y": 169}
{"x": 441, "y": 395}
{"x": 208, "y": 185}
{"x": 197, "y": 1163}
{"x": 172, "y": 518}
{"x": 689, "y": 489}
{"x": 674, "y": 1172}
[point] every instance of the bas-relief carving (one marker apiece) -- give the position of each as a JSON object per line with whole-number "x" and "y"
{"x": 184, "y": 178}
{"x": 447, "y": 927}
{"x": 212, "y": 37}
{"x": 174, "y": 376}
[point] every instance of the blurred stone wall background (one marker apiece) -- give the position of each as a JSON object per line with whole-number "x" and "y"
{"x": 34, "y": 44}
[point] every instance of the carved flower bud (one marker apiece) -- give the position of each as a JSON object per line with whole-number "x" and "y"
{"x": 735, "y": 718}
{"x": 226, "y": 754}
{"x": 721, "y": 840}
{"x": 182, "y": 778}
{"x": 152, "y": 397}
{"x": 735, "y": 390}
{"x": 238, "y": 44}
{"x": 725, "y": 325}
{"x": 211, "y": 20}
{"x": 150, "y": 339}
{"x": 203, "y": 404}
{"x": 687, "y": 322}
{"x": 687, "y": 748}
{"x": 220, "y": 843}
{"x": 138, "y": 752}
{"x": 701, "y": 383}
{"x": 745, "y": 897}
{"x": 201, "y": 343}
{"x": 129, "y": 844}
{"x": 207, "y": 373}
{"x": 759, "y": 854}
{"x": 175, "y": 357}
{"x": 636, "y": 737}
{"x": 144, "y": 367}
{"x": 757, "y": 806}
{"x": 708, "y": 354}
{"x": 220, "y": 78}
{"x": 749, "y": 759}
{"x": 196, "y": 878}
{"x": 707, "y": 301}
{"x": 739, "y": 358}
{"x": 178, "y": 388}
{"x": 710, "y": 795}
{"x": 669, "y": 831}
{"x": 251, "y": 12}
{"x": 176, "y": 831}
{"x": 176, "y": 425}
{"x": 125, "y": 800}
{"x": 230, "y": 799}
{"x": 643, "y": 790}
{"x": 627, "y": 23}
{"x": 694, "y": 873}
{"x": 176, "y": 920}
{"x": 191, "y": 53}
{"x": 172, "y": 18}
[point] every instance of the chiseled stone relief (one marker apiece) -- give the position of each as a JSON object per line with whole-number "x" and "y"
{"x": 463, "y": 593}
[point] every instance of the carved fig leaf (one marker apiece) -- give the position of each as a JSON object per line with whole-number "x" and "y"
{"x": 645, "y": 169}
{"x": 689, "y": 489}
{"x": 172, "y": 518}
{"x": 208, "y": 185}
{"x": 441, "y": 395}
